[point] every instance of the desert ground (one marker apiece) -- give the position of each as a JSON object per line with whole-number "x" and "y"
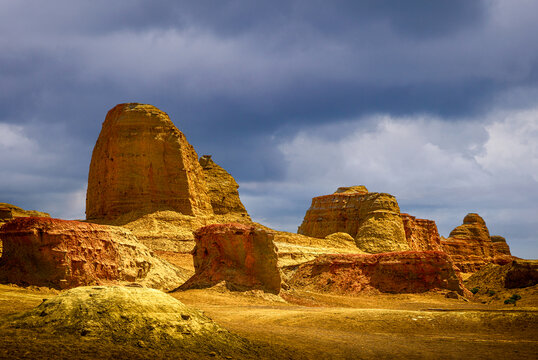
{"x": 307, "y": 325}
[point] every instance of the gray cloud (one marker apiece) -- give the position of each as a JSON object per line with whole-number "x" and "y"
{"x": 253, "y": 74}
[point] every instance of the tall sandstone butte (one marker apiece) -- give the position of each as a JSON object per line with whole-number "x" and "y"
{"x": 372, "y": 219}
{"x": 471, "y": 246}
{"x": 421, "y": 234}
{"x": 142, "y": 162}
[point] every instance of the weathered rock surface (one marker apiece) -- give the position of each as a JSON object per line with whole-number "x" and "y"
{"x": 500, "y": 247}
{"x": 421, "y": 234}
{"x": 244, "y": 257}
{"x": 9, "y": 212}
{"x": 65, "y": 254}
{"x": 143, "y": 163}
{"x": 222, "y": 189}
{"x": 128, "y": 315}
{"x": 372, "y": 219}
{"x": 470, "y": 245}
{"x": 516, "y": 274}
{"x": 396, "y": 272}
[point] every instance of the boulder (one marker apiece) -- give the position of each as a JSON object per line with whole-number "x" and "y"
{"x": 143, "y": 163}
{"x": 64, "y": 254}
{"x": 395, "y": 272}
{"x": 222, "y": 189}
{"x": 470, "y": 245}
{"x": 242, "y": 256}
{"x": 372, "y": 219}
{"x": 421, "y": 234}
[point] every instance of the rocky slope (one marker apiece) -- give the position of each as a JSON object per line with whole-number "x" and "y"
{"x": 244, "y": 257}
{"x": 372, "y": 219}
{"x": 143, "y": 163}
{"x": 65, "y": 254}
{"x": 396, "y": 272}
{"x": 471, "y": 247}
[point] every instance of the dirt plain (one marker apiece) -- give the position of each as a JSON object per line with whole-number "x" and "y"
{"x": 307, "y": 325}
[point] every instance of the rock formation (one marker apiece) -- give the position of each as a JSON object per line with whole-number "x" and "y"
{"x": 129, "y": 315}
{"x": 65, "y": 254}
{"x": 9, "y": 212}
{"x": 470, "y": 245}
{"x": 143, "y": 163}
{"x": 421, "y": 234}
{"x": 222, "y": 189}
{"x": 372, "y": 219}
{"x": 396, "y": 272}
{"x": 516, "y": 274}
{"x": 500, "y": 247}
{"x": 244, "y": 257}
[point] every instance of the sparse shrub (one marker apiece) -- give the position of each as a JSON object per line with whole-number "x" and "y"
{"x": 475, "y": 290}
{"x": 490, "y": 292}
{"x": 512, "y": 299}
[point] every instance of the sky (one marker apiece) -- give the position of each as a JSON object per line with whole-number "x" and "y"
{"x": 435, "y": 102}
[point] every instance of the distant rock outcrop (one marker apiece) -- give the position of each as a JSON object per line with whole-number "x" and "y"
{"x": 421, "y": 234}
{"x": 516, "y": 274}
{"x": 143, "y": 163}
{"x": 222, "y": 189}
{"x": 471, "y": 247}
{"x": 500, "y": 247}
{"x": 372, "y": 219}
{"x": 396, "y": 272}
{"x": 244, "y": 257}
{"x": 9, "y": 212}
{"x": 65, "y": 254}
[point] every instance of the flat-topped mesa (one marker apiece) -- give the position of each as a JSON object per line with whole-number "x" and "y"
{"x": 222, "y": 189}
{"x": 471, "y": 247}
{"x": 142, "y": 162}
{"x": 372, "y": 219}
{"x": 421, "y": 234}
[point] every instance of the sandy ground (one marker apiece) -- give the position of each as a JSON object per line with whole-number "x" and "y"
{"x": 310, "y": 326}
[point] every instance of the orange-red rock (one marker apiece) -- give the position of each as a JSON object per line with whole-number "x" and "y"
{"x": 244, "y": 257}
{"x": 421, "y": 234}
{"x": 395, "y": 272}
{"x": 372, "y": 219}
{"x": 142, "y": 162}
{"x": 470, "y": 245}
{"x": 65, "y": 254}
{"x": 500, "y": 247}
{"x": 222, "y": 189}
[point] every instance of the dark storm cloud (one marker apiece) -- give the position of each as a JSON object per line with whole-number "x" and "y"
{"x": 252, "y": 74}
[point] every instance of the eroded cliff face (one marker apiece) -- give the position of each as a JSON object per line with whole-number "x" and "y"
{"x": 421, "y": 234}
{"x": 396, "y": 272}
{"x": 65, "y": 254}
{"x": 222, "y": 189}
{"x": 471, "y": 247}
{"x": 244, "y": 257}
{"x": 142, "y": 162}
{"x": 9, "y": 212}
{"x": 372, "y": 219}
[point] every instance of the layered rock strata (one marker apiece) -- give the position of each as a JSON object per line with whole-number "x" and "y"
{"x": 143, "y": 163}
{"x": 396, "y": 272}
{"x": 243, "y": 257}
{"x": 421, "y": 234}
{"x": 499, "y": 245}
{"x": 372, "y": 219}
{"x": 470, "y": 245}
{"x": 65, "y": 254}
{"x": 222, "y": 189}
{"x": 9, "y": 212}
